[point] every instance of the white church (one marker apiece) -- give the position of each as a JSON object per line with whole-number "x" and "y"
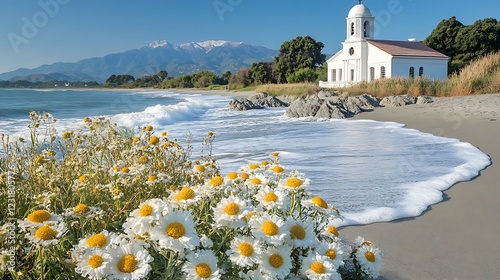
{"x": 363, "y": 58}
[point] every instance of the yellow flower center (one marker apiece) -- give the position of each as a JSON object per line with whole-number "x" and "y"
{"x": 145, "y": 210}
{"x": 127, "y": 264}
{"x": 39, "y": 216}
{"x": 294, "y": 182}
{"x": 370, "y": 256}
{"x": 45, "y": 233}
{"x": 277, "y": 169}
{"x": 256, "y": 181}
{"x": 82, "y": 179}
{"x": 164, "y": 134}
{"x": 244, "y": 176}
{"x": 175, "y": 230}
{"x": 51, "y": 153}
{"x": 203, "y": 270}
{"x": 200, "y": 168}
{"x": 246, "y": 249}
{"x": 216, "y": 181}
{"x": 81, "y": 208}
{"x": 367, "y": 243}
{"x": 143, "y": 159}
{"x": 333, "y": 230}
{"x": 184, "y": 194}
{"x": 152, "y": 178}
{"x": 39, "y": 159}
{"x": 125, "y": 170}
{"x": 320, "y": 202}
{"x": 210, "y": 134}
{"x": 67, "y": 134}
{"x": 95, "y": 261}
{"x": 249, "y": 216}
{"x": 148, "y": 128}
{"x": 297, "y": 231}
{"x": 276, "y": 260}
{"x": 97, "y": 240}
{"x": 154, "y": 140}
{"x": 232, "y": 175}
{"x": 270, "y": 228}
{"x": 271, "y": 197}
{"x": 232, "y": 208}
{"x": 331, "y": 254}
{"x": 253, "y": 166}
{"x": 135, "y": 140}
{"x": 275, "y": 154}
{"x": 317, "y": 267}
{"x": 264, "y": 163}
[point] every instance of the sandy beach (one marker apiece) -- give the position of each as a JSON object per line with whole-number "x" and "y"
{"x": 458, "y": 237}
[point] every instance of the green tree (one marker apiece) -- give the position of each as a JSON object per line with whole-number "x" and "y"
{"x": 299, "y": 53}
{"x": 162, "y": 74}
{"x": 240, "y": 79}
{"x": 302, "y": 75}
{"x": 322, "y": 72}
{"x": 442, "y": 38}
{"x": 263, "y": 72}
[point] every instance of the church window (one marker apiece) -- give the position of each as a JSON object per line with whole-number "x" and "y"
{"x": 340, "y": 74}
{"x": 382, "y": 72}
{"x": 412, "y": 72}
{"x": 334, "y": 75}
{"x": 352, "y": 28}
{"x": 421, "y": 71}
{"x": 366, "y": 26}
{"x": 352, "y": 74}
{"x": 372, "y": 73}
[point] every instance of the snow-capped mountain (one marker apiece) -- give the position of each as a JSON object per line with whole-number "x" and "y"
{"x": 177, "y": 59}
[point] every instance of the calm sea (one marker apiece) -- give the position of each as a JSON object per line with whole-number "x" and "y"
{"x": 371, "y": 171}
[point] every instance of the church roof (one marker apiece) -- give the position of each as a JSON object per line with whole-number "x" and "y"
{"x": 359, "y": 10}
{"x": 405, "y": 48}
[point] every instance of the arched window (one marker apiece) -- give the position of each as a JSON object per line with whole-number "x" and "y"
{"x": 372, "y": 73}
{"x": 352, "y": 74}
{"x": 382, "y": 72}
{"x": 366, "y": 26}
{"x": 420, "y": 71}
{"x": 352, "y": 28}
{"x": 412, "y": 72}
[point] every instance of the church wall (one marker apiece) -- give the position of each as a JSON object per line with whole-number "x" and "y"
{"x": 434, "y": 68}
{"x": 377, "y": 59}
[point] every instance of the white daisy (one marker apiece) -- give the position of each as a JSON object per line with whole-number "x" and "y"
{"x": 251, "y": 168}
{"x": 272, "y": 199}
{"x": 245, "y": 251}
{"x": 255, "y": 275}
{"x": 230, "y": 212}
{"x": 296, "y": 181}
{"x": 335, "y": 252}
{"x": 318, "y": 267}
{"x": 94, "y": 264}
{"x": 201, "y": 265}
{"x": 82, "y": 210}
{"x": 129, "y": 261}
{"x": 37, "y": 218}
{"x": 276, "y": 262}
{"x": 47, "y": 234}
{"x": 316, "y": 204}
{"x": 257, "y": 180}
{"x": 176, "y": 231}
{"x": 301, "y": 233}
{"x": 269, "y": 228}
{"x": 141, "y": 220}
{"x": 185, "y": 197}
{"x": 329, "y": 230}
{"x": 206, "y": 242}
{"x": 369, "y": 258}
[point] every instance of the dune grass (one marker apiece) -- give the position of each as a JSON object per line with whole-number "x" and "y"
{"x": 289, "y": 89}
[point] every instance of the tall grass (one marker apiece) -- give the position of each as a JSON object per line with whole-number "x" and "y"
{"x": 480, "y": 76}
{"x": 289, "y": 89}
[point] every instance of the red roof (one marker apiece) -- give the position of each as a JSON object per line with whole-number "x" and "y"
{"x": 405, "y": 48}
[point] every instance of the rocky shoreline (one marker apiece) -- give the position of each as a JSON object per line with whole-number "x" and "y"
{"x": 325, "y": 104}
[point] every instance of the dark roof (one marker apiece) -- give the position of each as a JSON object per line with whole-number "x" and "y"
{"x": 405, "y": 48}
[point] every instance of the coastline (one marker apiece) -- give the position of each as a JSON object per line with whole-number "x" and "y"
{"x": 458, "y": 237}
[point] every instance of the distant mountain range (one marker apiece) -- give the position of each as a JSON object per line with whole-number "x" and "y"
{"x": 216, "y": 56}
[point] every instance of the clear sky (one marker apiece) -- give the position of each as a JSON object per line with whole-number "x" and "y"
{"x": 36, "y": 32}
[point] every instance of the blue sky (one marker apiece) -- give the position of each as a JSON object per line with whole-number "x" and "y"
{"x": 39, "y": 32}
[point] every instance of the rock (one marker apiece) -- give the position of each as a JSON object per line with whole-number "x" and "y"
{"x": 332, "y": 110}
{"x": 287, "y": 99}
{"x": 324, "y": 94}
{"x": 424, "y": 99}
{"x": 397, "y": 101}
{"x": 242, "y": 105}
{"x": 305, "y": 106}
{"x": 351, "y": 105}
{"x": 265, "y": 100}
